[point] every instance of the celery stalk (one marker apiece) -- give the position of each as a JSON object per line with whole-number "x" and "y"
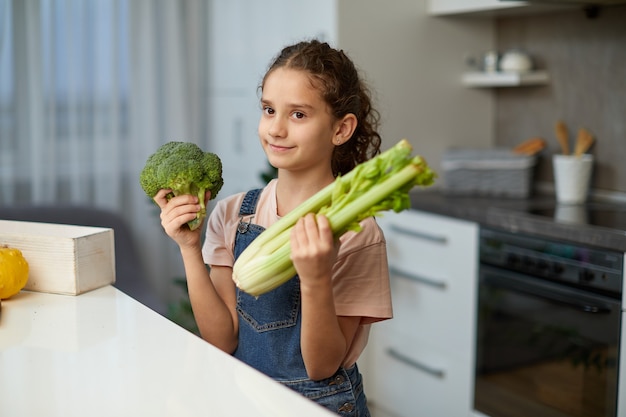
{"x": 274, "y": 237}
{"x": 380, "y": 184}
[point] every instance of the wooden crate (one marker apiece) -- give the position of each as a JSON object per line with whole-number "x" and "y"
{"x": 62, "y": 259}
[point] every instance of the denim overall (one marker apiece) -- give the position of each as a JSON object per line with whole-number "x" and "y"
{"x": 269, "y": 335}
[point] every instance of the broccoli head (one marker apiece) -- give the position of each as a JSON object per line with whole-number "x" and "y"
{"x": 185, "y": 169}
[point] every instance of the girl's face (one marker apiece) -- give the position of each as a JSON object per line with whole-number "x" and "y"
{"x": 296, "y": 129}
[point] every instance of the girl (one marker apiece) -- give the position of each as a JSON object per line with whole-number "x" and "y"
{"x": 317, "y": 122}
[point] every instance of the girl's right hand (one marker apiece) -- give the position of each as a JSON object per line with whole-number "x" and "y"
{"x": 175, "y": 214}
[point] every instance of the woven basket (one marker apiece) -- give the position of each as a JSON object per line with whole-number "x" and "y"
{"x": 487, "y": 172}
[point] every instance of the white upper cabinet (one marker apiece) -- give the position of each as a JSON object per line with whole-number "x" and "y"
{"x": 443, "y": 7}
{"x": 244, "y": 36}
{"x": 488, "y": 7}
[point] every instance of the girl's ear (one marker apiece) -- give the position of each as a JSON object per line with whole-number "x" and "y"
{"x": 345, "y": 129}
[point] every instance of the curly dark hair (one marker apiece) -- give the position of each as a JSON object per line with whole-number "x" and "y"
{"x": 338, "y": 80}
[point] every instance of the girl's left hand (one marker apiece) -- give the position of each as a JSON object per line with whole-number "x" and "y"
{"x": 313, "y": 249}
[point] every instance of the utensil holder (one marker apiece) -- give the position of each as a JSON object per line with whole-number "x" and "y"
{"x": 572, "y": 175}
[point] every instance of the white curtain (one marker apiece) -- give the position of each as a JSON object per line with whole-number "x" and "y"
{"x": 88, "y": 89}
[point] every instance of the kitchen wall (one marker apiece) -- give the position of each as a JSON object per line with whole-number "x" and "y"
{"x": 414, "y": 64}
{"x": 586, "y": 60}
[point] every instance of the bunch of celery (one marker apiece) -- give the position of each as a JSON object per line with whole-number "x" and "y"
{"x": 380, "y": 184}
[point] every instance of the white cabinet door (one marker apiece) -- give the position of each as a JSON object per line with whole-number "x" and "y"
{"x": 244, "y": 36}
{"x": 433, "y": 263}
{"x": 234, "y": 138}
{"x": 414, "y": 378}
{"x": 420, "y": 363}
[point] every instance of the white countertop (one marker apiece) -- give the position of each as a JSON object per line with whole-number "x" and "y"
{"x": 104, "y": 354}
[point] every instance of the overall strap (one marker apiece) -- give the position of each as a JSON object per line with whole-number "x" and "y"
{"x": 248, "y": 208}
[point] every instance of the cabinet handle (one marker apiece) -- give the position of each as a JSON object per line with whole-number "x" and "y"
{"x": 439, "y": 373}
{"x": 439, "y": 284}
{"x": 440, "y": 239}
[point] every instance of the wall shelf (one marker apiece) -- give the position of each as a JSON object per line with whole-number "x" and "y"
{"x": 505, "y": 79}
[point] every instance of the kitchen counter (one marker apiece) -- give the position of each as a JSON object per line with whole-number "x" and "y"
{"x": 598, "y": 224}
{"x": 104, "y": 354}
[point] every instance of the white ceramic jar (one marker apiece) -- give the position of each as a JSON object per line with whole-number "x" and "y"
{"x": 515, "y": 61}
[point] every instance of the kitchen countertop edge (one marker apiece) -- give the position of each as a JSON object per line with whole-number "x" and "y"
{"x": 512, "y": 215}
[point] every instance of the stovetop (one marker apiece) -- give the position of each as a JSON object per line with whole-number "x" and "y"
{"x": 609, "y": 215}
{"x": 596, "y": 224}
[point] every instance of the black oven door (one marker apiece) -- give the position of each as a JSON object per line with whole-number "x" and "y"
{"x": 543, "y": 349}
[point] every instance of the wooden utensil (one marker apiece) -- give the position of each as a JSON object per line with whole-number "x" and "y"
{"x": 583, "y": 141}
{"x": 530, "y": 146}
{"x": 562, "y": 136}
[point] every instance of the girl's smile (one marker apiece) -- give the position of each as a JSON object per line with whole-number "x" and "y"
{"x": 277, "y": 148}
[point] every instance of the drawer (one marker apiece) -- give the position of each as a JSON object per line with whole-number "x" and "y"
{"x": 410, "y": 378}
{"x": 433, "y": 264}
{"x": 443, "y": 315}
{"x": 434, "y": 247}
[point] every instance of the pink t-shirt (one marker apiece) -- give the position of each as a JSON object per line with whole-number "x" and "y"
{"x": 360, "y": 275}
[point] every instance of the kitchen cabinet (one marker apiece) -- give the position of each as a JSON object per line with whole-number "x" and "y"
{"x": 243, "y": 160}
{"x": 488, "y": 7}
{"x": 446, "y": 7}
{"x": 420, "y": 363}
{"x": 241, "y": 46}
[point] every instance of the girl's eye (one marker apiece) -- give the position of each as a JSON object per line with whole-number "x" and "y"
{"x": 298, "y": 115}
{"x": 268, "y": 110}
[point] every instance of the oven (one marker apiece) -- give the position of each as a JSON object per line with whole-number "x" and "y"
{"x": 548, "y": 328}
